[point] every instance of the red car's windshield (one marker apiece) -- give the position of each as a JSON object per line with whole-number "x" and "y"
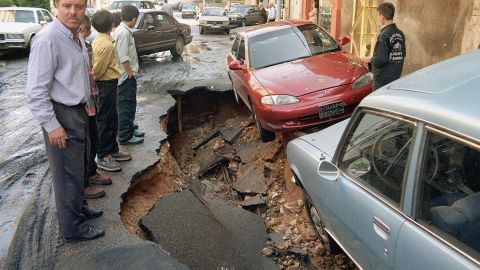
{"x": 286, "y": 45}
{"x": 318, "y": 40}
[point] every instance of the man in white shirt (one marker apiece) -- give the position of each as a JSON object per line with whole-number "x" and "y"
{"x": 167, "y": 7}
{"x": 272, "y": 12}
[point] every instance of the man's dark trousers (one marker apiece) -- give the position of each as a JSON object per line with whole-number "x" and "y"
{"x": 107, "y": 117}
{"x": 91, "y": 149}
{"x": 67, "y": 166}
{"x": 127, "y": 105}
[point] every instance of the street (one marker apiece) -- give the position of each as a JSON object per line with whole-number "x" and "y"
{"x": 28, "y": 225}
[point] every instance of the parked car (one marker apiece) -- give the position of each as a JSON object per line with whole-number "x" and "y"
{"x": 18, "y": 25}
{"x": 90, "y": 11}
{"x": 398, "y": 185}
{"x": 213, "y": 18}
{"x": 188, "y": 10}
{"x": 243, "y": 15}
{"x": 293, "y": 75}
{"x": 140, "y": 4}
{"x": 158, "y": 31}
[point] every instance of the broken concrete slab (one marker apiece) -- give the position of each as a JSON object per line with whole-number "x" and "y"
{"x": 207, "y": 159}
{"x": 207, "y": 234}
{"x": 246, "y": 150}
{"x": 255, "y": 201}
{"x": 207, "y": 138}
{"x": 277, "y": 238}
{"x": 230, "y": 134}
{"x": 251, "y": 180}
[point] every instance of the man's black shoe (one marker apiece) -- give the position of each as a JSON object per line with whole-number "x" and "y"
{"x": 135, "y": 126}
{"x": 93, "y": 213}
{"x": 92, "y": 233}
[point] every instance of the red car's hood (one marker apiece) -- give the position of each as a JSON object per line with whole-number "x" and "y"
{"x": 311, "y": 74}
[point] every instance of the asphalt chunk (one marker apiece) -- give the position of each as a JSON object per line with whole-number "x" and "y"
{"x": 251, "y": 180}
{"x": 251, "y": 202}
{"x": 207, "y": 234}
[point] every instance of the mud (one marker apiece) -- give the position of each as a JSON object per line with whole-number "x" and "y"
{"x": 202, "y": 114}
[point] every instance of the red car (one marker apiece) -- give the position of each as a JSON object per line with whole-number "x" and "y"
{"x": 292, "y": 75}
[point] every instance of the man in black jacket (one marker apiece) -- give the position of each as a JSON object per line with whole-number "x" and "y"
{"x": 390, "y": 51}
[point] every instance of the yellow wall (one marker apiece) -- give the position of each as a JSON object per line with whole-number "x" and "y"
{"x": 434, "y": 29}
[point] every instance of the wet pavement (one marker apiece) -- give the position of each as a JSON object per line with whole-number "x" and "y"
{"x": 29, "y": 236}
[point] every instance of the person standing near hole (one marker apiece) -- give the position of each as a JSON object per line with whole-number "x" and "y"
{"x": 58, "y": 87}
{"x": 106, "y": 73}
{"x": 263, "y": 14}
{"x": 313, "y": 14}
{"x": 390, "y": 50}
{"x": 91, "y": 174}
{"x": 127, "y": 82}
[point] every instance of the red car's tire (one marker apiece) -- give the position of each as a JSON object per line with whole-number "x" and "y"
{"x": 265, "y": 135}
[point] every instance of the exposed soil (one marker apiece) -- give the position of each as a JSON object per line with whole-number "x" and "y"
{"x": 162, "y": 179}
{"x": 184, "y": 158}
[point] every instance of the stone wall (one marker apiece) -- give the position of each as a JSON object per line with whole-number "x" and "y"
{"x": 435, "y": 29}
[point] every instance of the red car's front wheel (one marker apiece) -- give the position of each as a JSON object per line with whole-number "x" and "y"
{"x": 265, "y": 135}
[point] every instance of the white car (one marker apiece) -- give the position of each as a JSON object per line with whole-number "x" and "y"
{"x": 214, "y": 18}
{"x": 19, "y": 24}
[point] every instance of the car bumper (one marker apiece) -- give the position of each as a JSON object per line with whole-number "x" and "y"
{"x": 215, "y": 27}
{"x": 6, "y": 45}
{"x": 285, "y": 118}
{"x": 235, "y": 23}
{"x": 188, "y": 15}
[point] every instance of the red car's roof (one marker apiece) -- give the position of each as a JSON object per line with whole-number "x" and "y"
{"x": 265, "y": 28}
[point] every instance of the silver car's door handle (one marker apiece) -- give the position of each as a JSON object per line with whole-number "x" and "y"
{"x": 382, "y": 229}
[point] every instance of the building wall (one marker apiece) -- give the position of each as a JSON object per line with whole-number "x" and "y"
{"x": 295, "y": 9}
{"x": 434, "y": 29}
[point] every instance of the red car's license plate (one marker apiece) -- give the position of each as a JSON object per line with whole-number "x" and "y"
{"x": 329, "y": 110}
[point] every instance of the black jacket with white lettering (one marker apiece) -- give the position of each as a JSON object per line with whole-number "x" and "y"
{"x": 388, "y": 55}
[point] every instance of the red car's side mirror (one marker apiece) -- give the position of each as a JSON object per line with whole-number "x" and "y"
{"x": 344, "y": 40}
{"x": 236, "y": 65}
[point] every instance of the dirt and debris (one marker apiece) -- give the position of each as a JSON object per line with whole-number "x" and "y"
{"x": 220, "y": 151}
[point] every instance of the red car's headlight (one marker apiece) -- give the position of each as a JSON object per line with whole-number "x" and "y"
{"x": 279, "y": 100}
{"x": 363, "y": 80}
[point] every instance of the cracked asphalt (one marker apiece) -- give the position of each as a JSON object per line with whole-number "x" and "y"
{"x": 29, "y": 237}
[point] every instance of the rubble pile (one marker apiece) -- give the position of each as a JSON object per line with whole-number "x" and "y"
{"x": 220, "y": 155}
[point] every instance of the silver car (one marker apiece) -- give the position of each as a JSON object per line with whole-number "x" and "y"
{"x": 398, "y": 185}
{"x": 19, "y": 24}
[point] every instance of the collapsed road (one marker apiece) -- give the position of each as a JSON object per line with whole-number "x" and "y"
{"x": 212, "y": 166}
{"x": 160, "y": 209}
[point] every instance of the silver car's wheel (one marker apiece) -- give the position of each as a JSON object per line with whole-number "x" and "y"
{"x": 327, "y": 242}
